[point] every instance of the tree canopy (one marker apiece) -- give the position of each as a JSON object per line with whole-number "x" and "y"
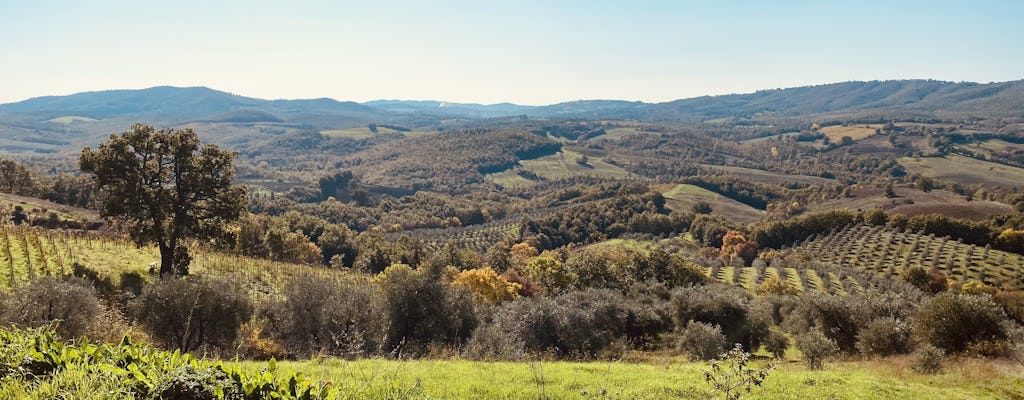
{"x": 163, "y": 188}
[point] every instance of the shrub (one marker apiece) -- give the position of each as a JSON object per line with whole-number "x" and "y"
{"x": 583, "y": 324}
{"x": 702, "y": 341}
{"x": 829, "y": 315}
{"x": 731, "y": 376}
{"x": 953, "y": 321}
{"x": 326, "y": 316}
{"x": 777, "y": 287}
{"x": 189, "y": 382}
{"x": 722, "y": 305}
{"x": 884, "y": 336}
{"x": 927, "y": 359}
{"x": 192, "y": 312}
{"x": 816, "y": 347}
{"x": 70, "y": 304}
{"x": 423, "y": 311}
{"x": 776, "y": 343}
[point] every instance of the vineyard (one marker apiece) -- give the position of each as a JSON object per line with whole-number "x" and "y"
{"x": 27, "y": 254}
{"x": 887, "y": 252}
{"x": 473, "y": 237}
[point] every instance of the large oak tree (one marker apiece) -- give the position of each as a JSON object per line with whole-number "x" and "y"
{"x": 163, "y": 188}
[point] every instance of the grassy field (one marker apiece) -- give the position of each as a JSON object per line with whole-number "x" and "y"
{"x": 619, "y": 133}
{"x": 835, "y": 133}
{"x": 760, "y": 175}
{"x": 657, "y": 379}
{"x": 964, "y": 170}
{"x": 557, "y": 166}
{"x": 682, "y": 197}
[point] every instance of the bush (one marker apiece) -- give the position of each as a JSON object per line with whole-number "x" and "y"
{"x": 816, "y": 347}
{"x": 828, "y": 315}
{"x": 702, "y": 341}
{"x": 777, "y": 287}
{"x": 583, "y": 324}
{"x": 953, "y": 322}
{"x": 193, "y": 312}
{"x": 326, "y": 316}
{"x": 928, "y": 359}
{"x": 423, "y": 311}
{"x": 189, "y": 382}
{"x": 776, "y": 343}
{"x": 722, "y": 305}
{"x": 70, "y": 305}
{"x": 884, "y": 336}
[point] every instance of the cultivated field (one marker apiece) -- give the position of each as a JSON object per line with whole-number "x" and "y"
{"x": 965, "y": 170}
{"x": 760, "y": 175}
{"x": 835, "y": 133}
{"x": 27, "y": 254}
{"x": 886, "y": 253}
{"x": 911, "y": 202}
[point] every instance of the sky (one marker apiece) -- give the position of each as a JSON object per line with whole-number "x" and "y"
{"x": 525, "y": 52}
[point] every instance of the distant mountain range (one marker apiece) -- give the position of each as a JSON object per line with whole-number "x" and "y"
{"x": 209, "y": 105}
{"x": 61, "y": 124}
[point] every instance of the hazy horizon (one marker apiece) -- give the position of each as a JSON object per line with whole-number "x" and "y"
{"x": 530, "y": 53}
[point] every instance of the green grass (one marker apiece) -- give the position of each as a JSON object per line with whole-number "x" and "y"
{"x": 964, "y": 170}
{"x": 656, "y": 379}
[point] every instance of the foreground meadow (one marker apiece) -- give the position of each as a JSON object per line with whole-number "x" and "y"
{"x": 655, "y": 379}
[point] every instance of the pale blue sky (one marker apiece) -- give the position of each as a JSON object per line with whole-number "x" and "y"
{"x": 528, "y": 52}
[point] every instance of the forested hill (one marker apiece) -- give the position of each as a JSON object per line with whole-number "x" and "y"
{"x": 909, "y": 96}
{"x": 897, "y": 97}
{"x": 189, "y": 103}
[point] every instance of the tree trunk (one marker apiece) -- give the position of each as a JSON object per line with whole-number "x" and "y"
{"x": 166, "y": 260}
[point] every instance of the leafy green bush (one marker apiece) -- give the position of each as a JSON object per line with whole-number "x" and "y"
{"x": 953, "y": 322}
{"x": 192, "y": 312}
{"x": 701, "y": 341}
{"x": 324, "y": 316}
{"x": 816, "y": 347}
{"x": 39, "y": 365}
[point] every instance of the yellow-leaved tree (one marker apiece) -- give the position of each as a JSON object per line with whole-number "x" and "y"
{"x": 487, "y": 286}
